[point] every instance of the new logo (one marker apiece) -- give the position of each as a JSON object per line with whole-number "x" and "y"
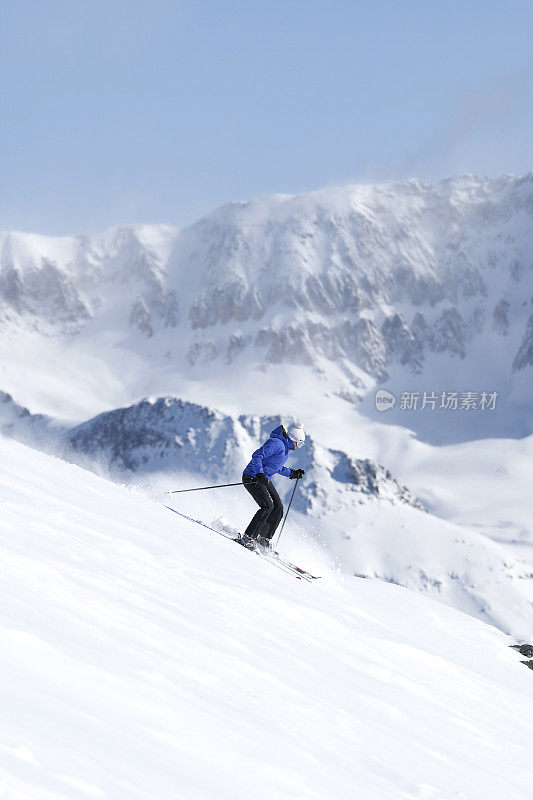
{"x": 384, "y": 400}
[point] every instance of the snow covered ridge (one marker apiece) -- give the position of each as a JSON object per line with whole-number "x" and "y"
{"x": 168, "y": 434}
{"x": 352, "y": 509}
{"x": 37, "y": 430}
{"x": 378, "y": 275}
{"x": 58, "y": 284}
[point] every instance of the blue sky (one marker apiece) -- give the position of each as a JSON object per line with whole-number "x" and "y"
{"x": 160, "y": 111}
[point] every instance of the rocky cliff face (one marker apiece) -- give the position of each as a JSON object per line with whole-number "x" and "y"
{"x": 59, "y": 285}
{"x": 524, "y": 356}
{"x": 378, "y": 275}
{"x": 373, "y": 275}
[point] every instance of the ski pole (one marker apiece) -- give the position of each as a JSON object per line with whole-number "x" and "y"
{"x": 287, "y": 513}
{"x": 201, "y": 488}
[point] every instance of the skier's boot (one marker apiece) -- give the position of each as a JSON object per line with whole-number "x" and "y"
{"x": 264, "y": 543}
{"x": 247, "y": 542}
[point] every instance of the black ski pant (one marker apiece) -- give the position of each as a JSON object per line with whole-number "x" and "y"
{"x": 266, "y": 520}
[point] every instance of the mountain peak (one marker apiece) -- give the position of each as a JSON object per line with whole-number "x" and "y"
{"x": 382, "y": 279}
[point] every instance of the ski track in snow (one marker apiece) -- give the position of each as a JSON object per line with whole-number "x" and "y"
{"x": 143, "y": 657}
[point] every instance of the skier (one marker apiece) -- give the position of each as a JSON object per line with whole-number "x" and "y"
{"x": 266, "y": 461}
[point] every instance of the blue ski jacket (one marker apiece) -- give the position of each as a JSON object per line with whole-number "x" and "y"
{"x": 271, "y": 456}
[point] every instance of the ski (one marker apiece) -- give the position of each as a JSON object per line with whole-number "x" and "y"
{"x": 303, "y": 571}
{"x": 274, "y": 557}
{"x": 277, "y": 563}
{"x": 199, "y": 522}
{"x": 284, "y": 566}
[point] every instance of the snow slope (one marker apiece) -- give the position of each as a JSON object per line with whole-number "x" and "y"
{"x": 297, "y": 306}
{"x": 353, "y": 508}
{"x": 145, "y": 657}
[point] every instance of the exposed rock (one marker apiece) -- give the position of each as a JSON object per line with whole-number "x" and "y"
{"x": 330, "y": 293}
{"x": 524, "y": 355}
{"x": 12, "y": 286}
{"x": 236, "y": 345}
{"x": 500, "y": 317}
{"x": 165, "y": 305}
{"x": 290, "y": 344}
{"x": 401, "y": 344}
{"x": 202, "y": 352}
{"x": 235, "y": 301}
{"x": 471, "y": 283}
{"x": 516, "y": 268}
{"x": 324, "y": 340}
{"x": 421, "y": 330}
{"x": 370, "y": 349}
{"x": 140, "y": 316}
{"x": 160, "y": 433}
{"x": 371, "y": 478}
{"x": 477, "y": 321}
{"x": 524, "y": 650}
{"x": 52, "y": 294}
{"x": 194, "y": 353}
{"x": 450, "y": 333}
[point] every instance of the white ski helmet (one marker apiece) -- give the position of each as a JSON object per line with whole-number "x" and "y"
{"x": 297, "y": 434}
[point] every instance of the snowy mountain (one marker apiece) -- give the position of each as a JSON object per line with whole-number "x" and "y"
{"x": 299, "y": 307}
{"x": 37, "y": 430}
{"x": 413, "y": 285}
{"x": 354, "y": 509}
{"x": 168, "y": 434}
{"x": 145, "y": 657}
{"x": 59, "y": 284}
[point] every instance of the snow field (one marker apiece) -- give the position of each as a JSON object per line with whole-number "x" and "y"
{"x": 145, "y": 657}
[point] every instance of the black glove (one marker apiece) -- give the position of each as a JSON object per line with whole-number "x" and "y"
{"x": 262, "y": 478}
{"x": 297, "y": 473}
